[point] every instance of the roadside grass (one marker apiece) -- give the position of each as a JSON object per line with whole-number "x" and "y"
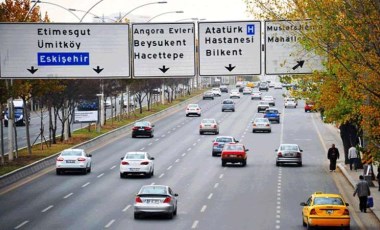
{"x": 40, "y": 151}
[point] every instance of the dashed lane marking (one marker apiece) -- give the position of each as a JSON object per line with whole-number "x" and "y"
{"x": 204, "y": 208}
{"x": 100, "y": 175}
{"x": 22, "y": 224}
{"x": 142, "y": 149}
{"x": 126, "y": 208}
{"x": 183, "y": 154}
{"x": 68, "y": 195}
{"x": 150, "y": 143}
{"x": 216, "y": 185}
{"x": 221, "y": 176}
{"x": 195, "y": 224}
{"x": 109, "y": 223}
{"x": 157, "y": 139}
{"x": 47, "y": 209}
{"x": 210, "y": 196}
{"x": 169, "y": 167}
{"x": 189, "y": 149}
{"x": 176, "y": 161}
{"x": 161, "y": 175}
{"x": 113, "y": 167}
{"x": 85, "y": 184}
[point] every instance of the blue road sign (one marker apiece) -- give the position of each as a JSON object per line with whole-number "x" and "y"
{"x": 59, "y": 59}
{"x": 250, "y": 29}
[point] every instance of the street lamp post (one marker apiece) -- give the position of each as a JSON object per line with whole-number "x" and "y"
{"x": 88, "y": 11}
{"x": 54, "y": 4}
{"x": 192, "y": 19}
{"x": 150, "y": 3}
{"x": 169, "y": 12}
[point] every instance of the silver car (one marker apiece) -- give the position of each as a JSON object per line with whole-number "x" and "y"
{"x": 137, "y": 163}
{"x": 155, "y": 199}
{"x": 73, "y": 160}
{"x": 261, "y": 124}
{"x": 209, "y": 125}
{"x": 228, "y": 105}
{"x": 289, "y": 153}
{"x": 262, "y": 106}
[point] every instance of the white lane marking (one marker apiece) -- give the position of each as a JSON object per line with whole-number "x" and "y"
{"x": 278, "y": 216}
{"x": 176, "y": 161}
{"x": 142, "y": 149}
{"x": 178, "y": 126}
{"x": 189, "y": 149}
{"x": 68, "y": 195}
{"x": 126, "y": 208}
{"x": 22, "y": 224}
{"x": 85, "y": 184}
{"x": 161, "y": 175}
{"x": 277, "y": 221}
{"x": 152, "y": 183}
{"x": 278, "y": 207}
{"x": 221, "y": 176}
{"x": 204, "y": 208}
{"x": 163, "y": 135}
{"x": 113, "y": 167}
{"x": 100, "y": 175}
{"x": 194, "y": 144}
{"x": 195, "y": 224}
{"x": 277, "y": 227}
{"x": 109, "y": 223}
{"x": 169, "y": 132}
{"x": 157, "y": 139}
{"x": 216, "y": 185}
{"x": 150, "y": 143}
{"x": 199, "y": 140}
{"x": 278, "y": 211}
{"x": 210, "y": 196}
{"x": 46, "y": 209}
{"x": 169, "y": 167}
{"x": 183, "y": 154}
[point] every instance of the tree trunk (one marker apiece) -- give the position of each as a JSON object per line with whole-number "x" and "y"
{"x": 349, "y": 136}
{"x": 26, "y": 117}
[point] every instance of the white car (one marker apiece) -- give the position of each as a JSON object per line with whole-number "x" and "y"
{"x": 270, "y": 100}
{"x": 247, "y": 90}
{"x": 256, "y": 95}
{"x": 73, "y": 160}
{"x": 137, "y": 163}
{"x": 234, "y": 93}
{"x": 261, "y": 124}
{"x": 193, "y": 109}
{"x": 278, "y": 85}
{"x": 290, "y": 102}
{"x": 216, "y": 92}
{"x": 262, "y": 106}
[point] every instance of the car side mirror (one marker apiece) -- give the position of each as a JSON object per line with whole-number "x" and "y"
{"x": 152, "y": 125}
{"x": 152, "y": 158}
{"x": 303, "y": 204}
{"x": 236, "y": 141}
{"x": 89, "y": 155}
{"x": 276, "y": 150}
{"x": 347, "y": 204}
{"x": 301, "y": 150}
{"x": 247, "y": 150}
{"x": 122, "y": 158}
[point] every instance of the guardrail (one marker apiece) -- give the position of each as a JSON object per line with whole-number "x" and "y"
{"x": 37, "y": 166}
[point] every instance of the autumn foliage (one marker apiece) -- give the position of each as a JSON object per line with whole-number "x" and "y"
{"x": 348, "y": 91}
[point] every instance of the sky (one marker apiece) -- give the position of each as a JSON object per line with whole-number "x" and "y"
{"x": 210, "y": 10}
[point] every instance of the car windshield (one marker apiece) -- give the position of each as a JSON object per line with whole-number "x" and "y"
{"x": 142, "y": 123}
{"x": 233, "y": 147}
{"x": 193, "y": 106}
{"x": 289, "y": 147}
{"x": 271, "y": 111}
{"x": 71, "y": 153}
{"x": 228, "y": 102}
{"x": 263, "y": 103}
{"x": 208, "y": 121}
{"x": 136, "y": 156}
{"x": 261, "y": 120}
{"x": 153, "y": 190}
{"x": 224, "y": 139}
{"x": 328, "y": 201}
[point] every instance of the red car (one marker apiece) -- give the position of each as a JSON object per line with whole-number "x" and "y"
{"x": 309, "y": 106}
{"x": 234, "y": 153}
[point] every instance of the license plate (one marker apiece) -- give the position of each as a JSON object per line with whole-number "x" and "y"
{"x": 233, "y": 156}
{"x": 141, "y": 129}
{"x": 70, "y": 161}
{"x": 330, "y": 211}
{"x": 153, "y": 201}
{"x": 134, "y": 169}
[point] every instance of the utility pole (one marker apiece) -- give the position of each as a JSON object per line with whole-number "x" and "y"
{"x": 10, "y": 123}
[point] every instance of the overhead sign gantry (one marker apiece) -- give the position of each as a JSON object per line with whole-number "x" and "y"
{"x": 58, "y": 50}
{"x": 163, "y": 50}
{"x": 229, "y": 48}
{"x": 284, "y": 54}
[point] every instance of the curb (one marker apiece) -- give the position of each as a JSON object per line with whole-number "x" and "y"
{"x": 44, "y": 163}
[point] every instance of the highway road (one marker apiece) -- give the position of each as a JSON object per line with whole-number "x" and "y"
{"x": 258, "y": 196}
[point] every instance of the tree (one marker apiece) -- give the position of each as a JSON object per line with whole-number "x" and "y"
{"x": 348, "y": 33}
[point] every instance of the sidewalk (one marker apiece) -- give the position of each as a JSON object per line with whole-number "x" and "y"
{"x": 353, "y": 176}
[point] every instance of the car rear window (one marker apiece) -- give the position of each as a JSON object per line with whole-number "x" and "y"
{"x": 289, "y": 147}
{"x": 228, "y": 102}
{"x": 328, "y": 201}
{"x": 224, "y": 139}
{"x": 153, "y": 190}
{"x": 137, "y": 156}
{"x": 142, "y": 123}
{"x": 72, "y": 153}
{"x": 261, "y": 120}
{"x": 233, "y": 147}
{"x": 271, "y": 111}
{"x": 208, "y": 121}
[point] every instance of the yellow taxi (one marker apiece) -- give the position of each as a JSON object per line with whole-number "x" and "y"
{"x": 325, "y": 210}
{"x": 250, "y": 84}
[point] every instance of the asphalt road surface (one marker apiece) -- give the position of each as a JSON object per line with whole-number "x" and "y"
{"x": 258, "y": 196}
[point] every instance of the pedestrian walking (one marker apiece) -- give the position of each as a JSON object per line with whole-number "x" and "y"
{"x": 378, "y": 175}
{"x": 363, "y": 191}
{"x": 353, "y": 157}
{"x": 333, "y": 155}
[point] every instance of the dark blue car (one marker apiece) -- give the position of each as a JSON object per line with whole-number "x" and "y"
{"x": 272, "y": 114}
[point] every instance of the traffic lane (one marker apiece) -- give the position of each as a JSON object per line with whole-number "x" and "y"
{"x": 312, "y": 176}
{"x": 90, "y": 208}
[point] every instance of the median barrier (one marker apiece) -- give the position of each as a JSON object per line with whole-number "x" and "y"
{"x": 37, "y": 166}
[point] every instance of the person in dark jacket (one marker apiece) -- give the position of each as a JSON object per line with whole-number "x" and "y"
{"x": 363, "y": 191}
{"x": 333, "y": 155}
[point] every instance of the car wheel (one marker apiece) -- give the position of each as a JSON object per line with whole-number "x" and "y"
{"x": 224, "y": 163}
{"x": 84, "y": 171}
{"x": 170, "y": 215}
{"x": 222, "y": 110}
{"x": 277, "y": 164}
{"x": 152, "y": 173}
{"x": 175, "y": 211}
{"x": 200, "y": 132}
{"x": 300, "y": 164}
{"x": 258, "y": 111}
{"x": 136, "y": 216}
{"x": 303, "y": 222}
{"x": 151, "y": 136}
{"x": 58, "y": 171}
{"x": 309, "y": 227}
{"x": 253, "y": 131}
{"x": 133, "y": 136}
{"x": 233, "y": 110}
{"x": 122, "y": 175}
{"x": 89, "y": 169}
{"x": 214, "y": 154}
{"x": 244, "y": 163}
{"x": 269, "y": 131}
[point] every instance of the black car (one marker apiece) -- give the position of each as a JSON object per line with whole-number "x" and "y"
{"x": 264, "y": 86}
{"x": 223, "y": 89}
{"x": 142, "y": 128}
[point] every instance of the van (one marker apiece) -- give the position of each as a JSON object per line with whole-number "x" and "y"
{"x": 18, "y": 108}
